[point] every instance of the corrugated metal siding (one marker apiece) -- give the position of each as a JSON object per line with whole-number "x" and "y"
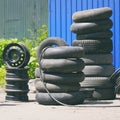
{"x": 20, "y": 16}
{"x": 60, "y": 13}
{"x": 2, "y": 19}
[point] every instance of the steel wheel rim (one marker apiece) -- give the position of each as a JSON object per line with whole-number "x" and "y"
{"x": 16, "y": 55}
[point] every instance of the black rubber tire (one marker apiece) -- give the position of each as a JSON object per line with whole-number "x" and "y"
{"x": 71, "y": 98}
{"x": 15, "y": 79}
{"x": 97, "y": 59}
{"x": 97, "y": 82}
{"x": 21, "y": 73}
{"x": 49, "y": 42}
{"x": 87, "y": 92}
{"x": 17, "y": 85}
{"x": 115, "y": 77}
{"x": 104, "y": 94}
{"x": 96, "y": 36}
{"x": 62, "y": 65}
{"x": 16, "y": 97}
{"x": 56, "y": 87}
{"x": 92, "y": 14}
{"x": 98, "y": 70}
{"x": 16, "y": 91}
{"x": 94, "y": 46}
{"x": 91, "y": 27}
{"x": 64, "y": 52}
{"x": 117, "y": 82}
{"x": 58, "y": 78}
{"x": 117, "y": 87}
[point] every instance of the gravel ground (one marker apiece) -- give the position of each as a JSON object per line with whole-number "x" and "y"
{"x": 90, "y": 110}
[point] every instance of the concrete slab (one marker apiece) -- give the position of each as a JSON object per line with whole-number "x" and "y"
{"x": 90, "y": 110}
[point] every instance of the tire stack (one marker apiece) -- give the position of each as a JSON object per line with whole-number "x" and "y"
{"x": 16, "y": 57}
{"x": 60, "y": 73}
{"x": 17, "y": 84}
{"x": 92, "y": 29}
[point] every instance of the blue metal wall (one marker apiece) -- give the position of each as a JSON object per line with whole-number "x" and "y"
{"x": 60, "y": 19}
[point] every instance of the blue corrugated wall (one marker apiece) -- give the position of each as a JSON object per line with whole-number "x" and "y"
{"x": 60, "y": 19}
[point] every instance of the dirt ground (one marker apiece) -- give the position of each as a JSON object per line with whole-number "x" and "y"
{"x": 90, "y": 110}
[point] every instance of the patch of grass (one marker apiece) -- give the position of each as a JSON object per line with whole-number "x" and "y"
{"x": 2, "y": 76}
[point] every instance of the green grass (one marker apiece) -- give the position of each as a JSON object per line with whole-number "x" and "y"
{"x": 2, "y": 76}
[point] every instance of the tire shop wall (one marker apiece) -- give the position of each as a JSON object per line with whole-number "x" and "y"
{"x": 20, "y": 16}
{"x": 60, "y": 20}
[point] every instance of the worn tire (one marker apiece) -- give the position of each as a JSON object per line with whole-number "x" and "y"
{"x": 96, "y": 36}
{"x": 62, "y": 65}
{"x": 98, "y": 70}
{"x": 97, "y": 59}
{"x": 49, "y": 42}
{"x": 39, "y": 85}
{"x": 97, "y": 82}
{"x": 91, "y": 27}
{"x": 115, "y": 77}
{"x": 104, "y": 94}
{"x": 17, "y": 85}
{"x": 117, "y": 86}
{"x": 21, "y": 73}
{"x": 92, "y": 14}
{"x": 58, "y": 78}
{"x": 63, "y": 52}
{"x": 12, "y": 96}
{"x": 71, "y": 98}
{"x": 94, "y": 46}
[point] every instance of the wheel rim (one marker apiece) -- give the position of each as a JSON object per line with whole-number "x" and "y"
{"x": 16, "y": 55}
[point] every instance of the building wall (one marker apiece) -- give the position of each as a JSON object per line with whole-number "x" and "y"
{"x": 18, "y": 17}
{"x": 60, "y": 19}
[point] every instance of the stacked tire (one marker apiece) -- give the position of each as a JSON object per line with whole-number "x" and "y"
{"x": 16, "y": 57}
{"x": 92, "y": 29}
{"x": 60, "y": 72}
{"x": 116, "y": 77}
{"x": 17, "y": 84}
